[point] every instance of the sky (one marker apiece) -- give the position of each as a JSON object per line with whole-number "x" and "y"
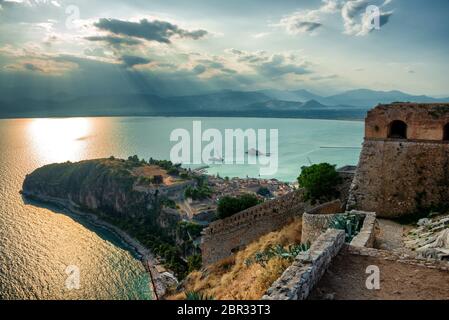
{"x": 59, "y": 48}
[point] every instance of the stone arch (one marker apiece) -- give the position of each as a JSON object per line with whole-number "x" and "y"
{"x": 397, "y": 130}
{"x": 446, "y": 132}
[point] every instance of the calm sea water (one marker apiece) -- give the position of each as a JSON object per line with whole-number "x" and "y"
{"x": 37, "y": 244}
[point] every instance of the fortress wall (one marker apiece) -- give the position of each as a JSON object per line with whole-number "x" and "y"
{"x": 224, "y": 237}
{"x": 399, "y": 177}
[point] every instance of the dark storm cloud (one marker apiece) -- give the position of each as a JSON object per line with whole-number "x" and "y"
{"x": 160, "y": 31}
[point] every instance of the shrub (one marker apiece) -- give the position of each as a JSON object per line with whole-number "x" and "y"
{"x": 158, "y": 179}
{"x": 277, "y": 251}
{"x": 264, "y": 192}
{"x": 194, "y": 295}
{"x": 200, "y": 193}
{"x": 228, "y": 206}
{"x": 350, "y": 223}
{"x": 319, "y": 182}
{"x": 194, "y": 262}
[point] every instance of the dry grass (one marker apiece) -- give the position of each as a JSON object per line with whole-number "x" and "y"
{"x": 232, "y": 279}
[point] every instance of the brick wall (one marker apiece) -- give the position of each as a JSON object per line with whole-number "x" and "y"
{"x": 229, "y": 235}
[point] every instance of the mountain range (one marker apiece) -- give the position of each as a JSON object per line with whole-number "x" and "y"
{"x": 264, "y": 103}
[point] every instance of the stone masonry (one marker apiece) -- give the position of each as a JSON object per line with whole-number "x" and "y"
{"x": 404, "y": 164}
{"x": 224, "y": 237}
{"x": 301, "y": 277}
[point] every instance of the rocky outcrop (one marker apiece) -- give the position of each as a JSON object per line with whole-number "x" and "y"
{"x": 431, "y": 238}
{"x": 106, "y": 187}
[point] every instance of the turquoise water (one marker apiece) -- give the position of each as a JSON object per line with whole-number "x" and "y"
{"x": 37, "y": 244}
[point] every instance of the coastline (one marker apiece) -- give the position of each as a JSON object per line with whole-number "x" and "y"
{"x": 146, "y": 257}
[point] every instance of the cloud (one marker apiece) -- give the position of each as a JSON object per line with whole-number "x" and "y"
{"x": 271, "y": 66}
{"x": 324, "y": 77}
{"x": 210, "y": 67}
{"x": 130, "y": 61}
{"x": 261, "y": 35}
{"x": 95, "y": 52}
{"x": 307, "y": 21}
{"x": 358, "y": 20}
{"x": 278, "y": 66}
{"x": 32, "y": 67}
{"x": 159, "y": 31}
{"x": 115, "y": 41}
{"x": 29, "y": 11}
{"x": 44, "y": 65}
{"x": 199, "y": 69}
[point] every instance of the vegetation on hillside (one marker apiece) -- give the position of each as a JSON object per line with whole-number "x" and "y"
{"x": 233, "y": 278}
{"x": 277, "y": 251}
{"x": 228, "y": 206}
{"x": 319, "y": 182}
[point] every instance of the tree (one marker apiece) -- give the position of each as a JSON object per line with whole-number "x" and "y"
{"x": 194, "y": 262}
{"x": 158, "y": 179}
{"x": 228, "y": 206}
{"x": 319, "y": 181}
{"x": 264, "y": 191}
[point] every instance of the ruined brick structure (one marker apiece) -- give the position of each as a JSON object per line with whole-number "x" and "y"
{"x": 226, "y": 236}
{"x": 404, "y": 163}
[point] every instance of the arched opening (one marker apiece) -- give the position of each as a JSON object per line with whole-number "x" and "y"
{"x": 397, "y": 130}
{"x": 446, "y": 132}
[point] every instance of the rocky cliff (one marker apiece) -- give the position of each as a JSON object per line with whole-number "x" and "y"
{"x": 111, "y": 188}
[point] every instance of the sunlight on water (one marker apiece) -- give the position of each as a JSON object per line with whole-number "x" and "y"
{"x": 56, "y": 140}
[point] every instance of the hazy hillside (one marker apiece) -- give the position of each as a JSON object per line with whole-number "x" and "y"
{"x": 267, "y": 103}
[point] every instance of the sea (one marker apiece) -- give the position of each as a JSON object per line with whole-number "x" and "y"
{"x": 47, "y": 253}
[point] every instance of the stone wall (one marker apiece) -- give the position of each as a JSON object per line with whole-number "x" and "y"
{"x": 224, "y": 237}
{"x": 315, "y": 223}
{"x": 399, "y": 177}
{"x": 317, "y": 220}
{"x": 301, "y": 277}
{"x": 367, "y": 235}
{"x": 347, "y": 174}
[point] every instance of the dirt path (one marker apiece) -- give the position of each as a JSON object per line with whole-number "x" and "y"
{"x": 346, "y": 277}
{"x": 390, "y": 236}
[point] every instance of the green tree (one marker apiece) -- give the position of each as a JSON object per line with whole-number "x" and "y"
{"x": 158, "y": 179}
{"x": 194, "y": 262}
{"x": 264, "y": 192}
{"x": 319, "y": 181}
{"x": 228, "y": 206}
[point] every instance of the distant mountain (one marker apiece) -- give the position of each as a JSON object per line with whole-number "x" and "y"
{"x": 275, "y": 105}
{"x": 370, "y": 98}
{"x": 296, "y": 95}
{"x": 220, "y": 101}
{"x": 361, "y": 98}
{"x": 267, "y": 103}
